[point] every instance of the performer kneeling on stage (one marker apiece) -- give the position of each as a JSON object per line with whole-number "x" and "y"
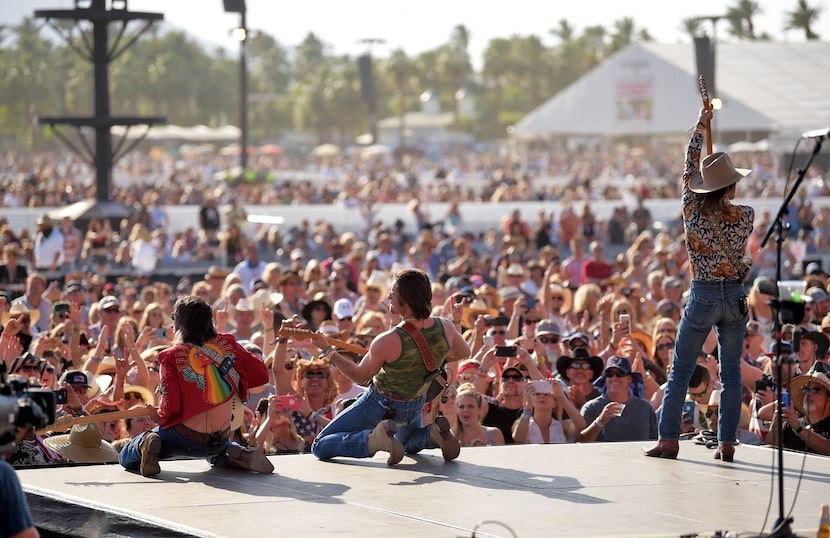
{"x": 387, "y": 417}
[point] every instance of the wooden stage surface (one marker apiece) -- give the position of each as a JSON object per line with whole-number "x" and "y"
{"x": 602, "y": 489}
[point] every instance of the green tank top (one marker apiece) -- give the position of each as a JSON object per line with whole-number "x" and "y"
{"x": 405, "y": 376}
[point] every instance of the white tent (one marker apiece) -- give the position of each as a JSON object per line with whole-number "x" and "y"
{"x": 652, "y": 89}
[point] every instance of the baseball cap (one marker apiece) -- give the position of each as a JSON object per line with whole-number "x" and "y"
{"x": 343, "y": 308}
{"x": 548, "y": 326}
{"x": 75, "y": 378}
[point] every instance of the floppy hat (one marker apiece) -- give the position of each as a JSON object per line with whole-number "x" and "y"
{"x": 801, "y": 381}
{"x": 716, "y": 172}
{"x": 244, "y": 305}
{"x": 83, "y": 444}
{"x": 288, "y": 276}
{"x": 579, "y": 354}
{"x": 306, "y": 312}
{"x": 20, "y": 309}
{"x": 214, "y": 271}
{"x": 509, "y": 292}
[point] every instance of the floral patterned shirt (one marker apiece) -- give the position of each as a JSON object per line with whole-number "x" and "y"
{"x": 716, "y": 243}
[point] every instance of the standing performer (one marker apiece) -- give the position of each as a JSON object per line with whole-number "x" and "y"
{"x": 387, "y": 417}
{"x": 716, "y": 236}
{"x": 200, "y": 377}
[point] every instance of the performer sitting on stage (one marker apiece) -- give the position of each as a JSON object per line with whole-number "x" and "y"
{"x": 200, "y": 377}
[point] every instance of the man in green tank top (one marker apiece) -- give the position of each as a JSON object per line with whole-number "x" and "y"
{"x": 387, "y": 417}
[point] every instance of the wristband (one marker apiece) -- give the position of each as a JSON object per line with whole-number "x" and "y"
{"x": 76, "y": 331}
{"x": 7, "y": 335}
{"x": 597, "y": 423}
{"x": 282, "y": 340}
{"x": 456, "y": 321}
{"x": 798, "y": 429}
{"x": 326, "y": 350}
{"x": 526, "y": 414}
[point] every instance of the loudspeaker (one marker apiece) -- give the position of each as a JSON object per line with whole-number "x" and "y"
{"x": 234, "y": 6}
{"x": 367, "y": 84}
{"x": 705, "y": 60}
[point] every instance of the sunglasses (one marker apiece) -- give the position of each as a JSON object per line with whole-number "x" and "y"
{"x": 546, "y": 340}
{"x": 112, "y": 310}
{"x": 512, "y": 378}
{"x": 615, "y": 373}
{"x": 23, "y": 319}
{"x": 319, "y": 374}
{"x": 499, "y": 332}
{"x": 446, "y": 397}
{"x": 28, "y": 368}
{"x": 665, "y": 346}
{"x": 532, "y": 321}
{"x": 697, "y": 394}
{"x": 347, "y": 318}
{"x": 556, "y": 298}
{"x": 580, "y": 366}
{"x": 375, "y": 290}
{"x": 50, "y": 370}
{"x": 133, "y": 396}
{"x": 812, "y": 390}
{"x": 540, "y": 394}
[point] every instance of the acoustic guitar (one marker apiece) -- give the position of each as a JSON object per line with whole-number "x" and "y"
{"x": 64, "y": 423}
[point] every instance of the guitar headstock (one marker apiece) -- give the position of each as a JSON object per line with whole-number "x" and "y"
{"x": 297, "y": 333}
{"x": 704, "y": 91}
{"x": 61, "y": 424}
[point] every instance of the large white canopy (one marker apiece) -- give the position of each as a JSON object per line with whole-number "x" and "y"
{"x": 652, "y": 89}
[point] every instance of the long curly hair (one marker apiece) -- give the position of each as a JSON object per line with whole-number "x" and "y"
{"x": 415, "y": 290}
{"x": 314, "y": 365}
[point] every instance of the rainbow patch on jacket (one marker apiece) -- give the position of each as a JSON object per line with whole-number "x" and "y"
{"x": 202, "y": 371}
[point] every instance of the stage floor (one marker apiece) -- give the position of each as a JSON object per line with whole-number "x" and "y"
{"x": 602, "y": 489}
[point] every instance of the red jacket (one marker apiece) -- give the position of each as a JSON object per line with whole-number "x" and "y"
{"x": 191, "y": 382}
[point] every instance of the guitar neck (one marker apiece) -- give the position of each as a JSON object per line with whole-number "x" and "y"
{"x": 303, "y": 334}
{"x": 64, "y": 423}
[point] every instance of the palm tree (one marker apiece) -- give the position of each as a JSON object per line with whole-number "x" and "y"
{"x": 803, "y": 17}
{"x": 692, "y": 26}
{"x": 497, "y": 65}
{"x": 741, "y": 17}
{"x": 401, "y": 70}
{"x": 563, "y": 30}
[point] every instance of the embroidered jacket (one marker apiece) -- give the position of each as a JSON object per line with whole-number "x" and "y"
{"x": 191, "y": 382}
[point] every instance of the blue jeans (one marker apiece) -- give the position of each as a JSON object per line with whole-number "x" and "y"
{"x": 710, "y": 303}
{"x": 348, "y": 433}
{"x": 174, "y": 444}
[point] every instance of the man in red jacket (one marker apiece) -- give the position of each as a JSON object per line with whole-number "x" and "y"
{"x": 200, "y": 377}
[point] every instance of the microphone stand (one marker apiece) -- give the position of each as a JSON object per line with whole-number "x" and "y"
{"x": 782, "y": 308}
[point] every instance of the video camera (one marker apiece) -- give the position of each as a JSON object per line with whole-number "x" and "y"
{"x": 22, "y": 406}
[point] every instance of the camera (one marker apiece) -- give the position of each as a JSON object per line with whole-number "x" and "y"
{"x": 162, "y": 333}
{"x": 496, "y": 321}
{"x": 505, "y": 351}
{"x": 22, "y": 406}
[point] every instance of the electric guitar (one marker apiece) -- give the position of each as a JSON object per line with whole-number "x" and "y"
{"x": 63, "y": 423}
{"x": 704, "y": 94}
{"x": 305, "y": 334}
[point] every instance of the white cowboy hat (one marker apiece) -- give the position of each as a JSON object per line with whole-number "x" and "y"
{"x": 716, "y": 172}
{"x": 799, "y": 382}
{"x": 380, "y": 280}
{"x": 19, "y": 309}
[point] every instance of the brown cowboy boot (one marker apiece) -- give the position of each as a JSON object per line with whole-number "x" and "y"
{"x": 665, "y": 448}
{"x": 441, "y": 435}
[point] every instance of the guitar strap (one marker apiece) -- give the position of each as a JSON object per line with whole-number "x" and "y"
{"x": 426, "y": 353}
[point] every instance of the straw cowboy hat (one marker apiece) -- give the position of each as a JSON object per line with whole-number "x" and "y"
{"x": 716, "y": 172}
{"x": 566, "y": 293}
{"x": 799, "y": 382}
{"x": 83, "y": 444}
{"x": 476, "y": 308}
{"x": 145, "y": 393}
{"x": 244, "y": 305}
{"x": 380, "y": 280}
{"x": 18, "y": 310}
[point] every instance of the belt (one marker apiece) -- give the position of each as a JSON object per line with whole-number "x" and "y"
{"x": 201, "y": 437}
{"x": 396, "y": 397}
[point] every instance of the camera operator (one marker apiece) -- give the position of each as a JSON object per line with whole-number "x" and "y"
{"x": 15, "y": 519}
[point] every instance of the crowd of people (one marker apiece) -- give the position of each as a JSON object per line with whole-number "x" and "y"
{"x": 312, "y": 342}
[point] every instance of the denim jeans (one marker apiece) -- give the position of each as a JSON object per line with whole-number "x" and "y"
{"x": 348, "y": 433}
{"x": 710, "y": 303}
{"x": 174, "y": 444}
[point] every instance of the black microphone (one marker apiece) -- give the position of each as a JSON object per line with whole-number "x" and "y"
{"x": 767, "y": 287}
{"x": 818, "y": 133}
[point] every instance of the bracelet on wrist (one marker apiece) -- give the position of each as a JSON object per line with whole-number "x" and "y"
{"x": 326, "y": 350}
{"x": 7, "y": 335}
{"x": 282, "y": 340}
{"x": 597, "y": 423}
{"x": 798, "y": 429}
{"x": 526, "y": 414}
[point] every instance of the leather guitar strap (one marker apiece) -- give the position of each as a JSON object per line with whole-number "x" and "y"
{"x": 421, "y": 342}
